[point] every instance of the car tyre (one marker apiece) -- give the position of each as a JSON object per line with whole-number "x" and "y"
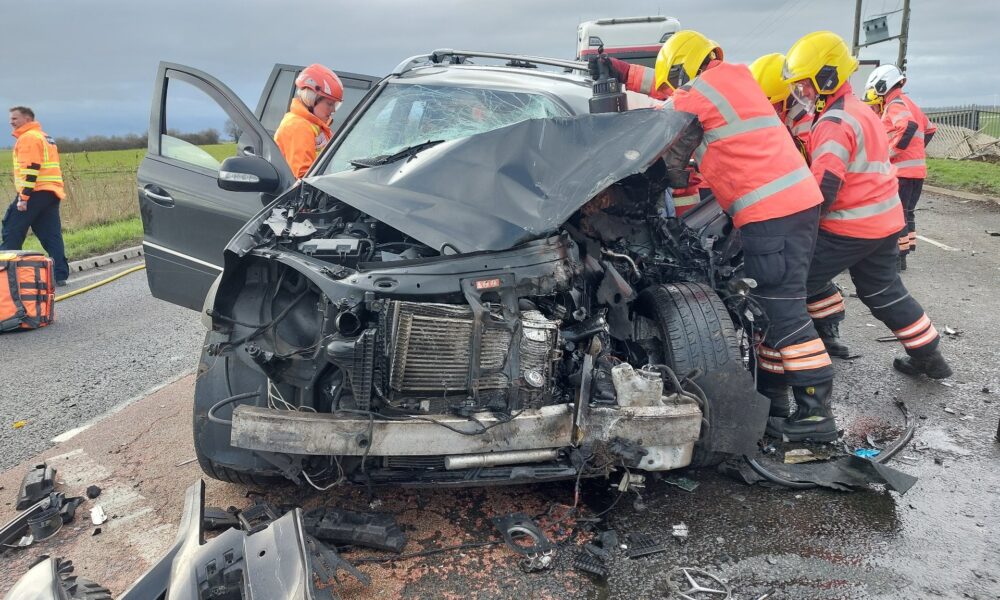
{"x": 697, "y": 333}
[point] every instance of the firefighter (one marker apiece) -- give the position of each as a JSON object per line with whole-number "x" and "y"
{"x": 305, "y": 128}
{"x": 767, "y": 71}
{"x": 762, "y": 181}
{"x": 874, "y": 101}
{"x": 909, "y": 133}
{"x": 39, "y": 191}
{"x": 861, "y": 215}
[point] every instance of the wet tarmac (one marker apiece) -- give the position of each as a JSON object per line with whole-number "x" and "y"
{"x": 936, "y": 541}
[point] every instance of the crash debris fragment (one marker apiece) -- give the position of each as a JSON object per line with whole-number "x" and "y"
{"x": 680, "y": 531}
{"x": 686, "y": 484}
{"x": 93, "y": 491}
{"x": 97, "y": 515}
{"x": 523, "y": 536}
{"x": 642, "y": 544}
{"x": 37, "y": 483}
{"x": 689, "y": 582}
{"x": 799, "y": 455}
{"x": 347, "y": 527}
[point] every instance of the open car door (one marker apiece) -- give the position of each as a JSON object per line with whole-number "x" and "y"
{"x": 194, "y": 124}
{"x": 280, "y": 88}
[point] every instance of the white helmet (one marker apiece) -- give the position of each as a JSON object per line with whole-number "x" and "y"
{"x": 884, "y": 78}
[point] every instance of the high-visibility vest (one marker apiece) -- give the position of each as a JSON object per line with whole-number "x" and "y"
{"x": 849, "y": 156}
{"x": 36, "y": 162}
{"x": 746, "y": 155}
{"x": 300, "y": 136}
{"x": 909, "y": 131}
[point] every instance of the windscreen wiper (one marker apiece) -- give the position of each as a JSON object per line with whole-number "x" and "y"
{"x": 384, "y": 159}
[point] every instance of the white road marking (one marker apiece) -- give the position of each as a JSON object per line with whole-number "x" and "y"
{"x": 70, "y": 434}
{"x": 937, "y": 243}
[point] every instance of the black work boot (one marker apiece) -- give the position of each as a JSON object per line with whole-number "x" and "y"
{"x": 901, "y": 262}
{"x": 829, "y": 332}
{"x": 812, "y": 420}
{"x": 778, "y": 395}
{"x": 933, "y": 365}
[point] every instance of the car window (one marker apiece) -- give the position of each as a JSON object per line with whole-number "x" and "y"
{"x": 404, "y": 115}
{"x": 195, "y": 130}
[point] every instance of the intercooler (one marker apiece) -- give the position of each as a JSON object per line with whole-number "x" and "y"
{"x": 428, "y": 352}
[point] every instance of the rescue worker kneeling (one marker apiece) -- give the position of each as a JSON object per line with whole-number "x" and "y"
{"x": 862, "y": 216}
{"x": 761, "y": 180}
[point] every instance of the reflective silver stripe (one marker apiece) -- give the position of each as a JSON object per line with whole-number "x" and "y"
{"x": 687, "y": 200}
{"x": 181, "y": 255}
{"x": 699, "y": 152}
{"x": 860, "y": 164}
{"x": 769, "y": 189}
{"x": 718, "y": 100}
{"x": 742, "y": 126}
{"x": 862, "y": 212}
{"x": 835, "y": 148}
{"x": 801, "y": 128}
{"x": 882, "y": 168}
{"x": 916, "y": 162}
{"x": 648, "y": 77}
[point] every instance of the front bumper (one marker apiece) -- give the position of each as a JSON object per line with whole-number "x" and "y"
{"x": 667, "y": 433}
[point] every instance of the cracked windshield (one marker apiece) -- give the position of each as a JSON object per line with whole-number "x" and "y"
{"x": 404, "y": 115}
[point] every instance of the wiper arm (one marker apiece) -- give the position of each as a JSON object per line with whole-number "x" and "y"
{"x": 384, "y": 159}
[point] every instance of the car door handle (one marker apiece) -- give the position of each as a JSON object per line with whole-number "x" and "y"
{"x": 158, "y": 196}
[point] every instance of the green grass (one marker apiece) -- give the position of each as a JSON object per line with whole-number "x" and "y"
{"x": 109, "y": 162}
{"x": 969, "y": 175}
{"x": 97, "y": 239}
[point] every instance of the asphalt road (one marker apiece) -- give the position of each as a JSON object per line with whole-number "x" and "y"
{"x": 936, "y": 541}
{"x": 107, "y": 346}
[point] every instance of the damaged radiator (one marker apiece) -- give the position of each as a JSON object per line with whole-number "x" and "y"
{"x": 427, "y": 351}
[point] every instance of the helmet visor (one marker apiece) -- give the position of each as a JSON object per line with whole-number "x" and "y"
{"x": 804, "y": 92}
{"x": 677, "y": 76}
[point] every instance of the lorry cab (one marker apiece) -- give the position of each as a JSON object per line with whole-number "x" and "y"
{"x": 633, "y": 39}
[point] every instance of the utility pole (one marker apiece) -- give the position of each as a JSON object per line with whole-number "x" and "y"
{"x": 857, "y": 27}
{"x": 904, "y": 32}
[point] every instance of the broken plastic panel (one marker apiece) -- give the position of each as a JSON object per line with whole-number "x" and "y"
{"x": 373, "y": 530}
{"x": 37, "y": 483}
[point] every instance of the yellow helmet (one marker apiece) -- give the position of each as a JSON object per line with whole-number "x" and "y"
{"x": 767, "y": 71}
{"x": 682, "y": 56}
{"x": 871, "y": 97}
{"x": 823, "y": 58}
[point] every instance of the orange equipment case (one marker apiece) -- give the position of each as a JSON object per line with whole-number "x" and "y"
{"x": 27, "y": 294}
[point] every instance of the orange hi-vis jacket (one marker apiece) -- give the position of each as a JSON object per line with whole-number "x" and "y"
{"x": 909, "y": 133}
{"x": 849, "y": 154}
{"x": 746, "y": 156}
{"x": 641, "y": 79}
{"x": 36, "y": 162}
{"x": 300, "y": 136}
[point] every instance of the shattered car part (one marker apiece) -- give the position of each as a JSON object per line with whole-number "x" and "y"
{"x": 68, "y": 509}
{"x": 347, "y": 527}
{"x": 46, "y": 523}
{"x": 15, "y": 529}
{"x": 697, "y": 584}
{"x": 53, "y": 579}
{"x": 37, "y": 483}
{"x": 214, "y": 518}
{"x": 257, "y": 517}
{"x": 97, "y": 515}
{"x": 590, "y": 563}
{"x": 277, "y": 562}
{"x": 523, "y": 536}
{"x": 642, "y": 544}
{"x": 843, "y": 473}
{"x": 326, "y": 563}
{"x": 93, "y": 491}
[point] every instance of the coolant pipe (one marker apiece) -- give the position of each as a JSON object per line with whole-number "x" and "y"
{"x": 348, "y": 323}
{"x": 580, "y": 331}
{"x": 492, "y": 459}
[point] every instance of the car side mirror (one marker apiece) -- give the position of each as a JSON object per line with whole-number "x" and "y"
{"x": 248, "y": 174}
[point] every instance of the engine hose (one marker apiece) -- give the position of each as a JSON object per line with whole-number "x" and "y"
{"x": 92, "y": 286}
{"x": 883, "y": 457}
{"x": 224, "y": 401}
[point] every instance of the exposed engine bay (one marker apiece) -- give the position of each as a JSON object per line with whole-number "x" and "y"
{"x": 345, "y": 339}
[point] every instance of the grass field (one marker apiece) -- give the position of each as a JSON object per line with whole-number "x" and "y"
{"x": 101, "y": 209}
{"x": 970, "y": 175}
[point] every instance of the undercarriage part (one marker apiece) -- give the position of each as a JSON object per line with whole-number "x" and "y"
{"x": 326, "y": 563}
{"x": 372, "y": 530}
{"x": 590, "y": 563}
{"x": 256, "y": 518}
{"x": 493, "y": 459}
{"x": 37, "y": 484}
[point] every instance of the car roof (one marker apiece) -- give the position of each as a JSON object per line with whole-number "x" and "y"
{"x": 571, "y": 87}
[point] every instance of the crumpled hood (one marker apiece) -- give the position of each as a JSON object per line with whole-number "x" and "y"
{"x": 497, "y": 189}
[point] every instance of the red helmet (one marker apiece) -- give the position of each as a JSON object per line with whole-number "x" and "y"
{"x": 321, "y": 80}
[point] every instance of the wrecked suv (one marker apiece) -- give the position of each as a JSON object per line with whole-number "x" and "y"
{"x": 476, "y": 283}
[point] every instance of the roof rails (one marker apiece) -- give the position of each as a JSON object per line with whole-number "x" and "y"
{"x": 449, "y": 56}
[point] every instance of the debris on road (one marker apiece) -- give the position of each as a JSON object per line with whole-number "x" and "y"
{"x": 523, "y": 536}
{"x": 97, "y": 531}
{"x": 68, "y": 509}
{"x": 688, "y": 582}
{"x": 867, "y": 452}
{"x": 799, "y": 455}
{"x": 590, "y": 563}
{"x": 16, "y": 532}
{"x": 373, "y": 530}
{"x": 54, "y": 578}
{"x": 216, "y": 519}
{"x": 93, "y": 491}
{"x": 680, "y": 531}
{"x": 993, "y": 233}
{"x": 641, "y": 544}
{"x": 97, "y": 515}
{"x": 46, "y": 523}
{"x": 688, "y": 485}
{"x": 37, "y": 484}
{"x": 949, "y": 410}
{"x": 19, "y": 424}
{"x": 952, "y": 332}
{"x": 843, "y": 473}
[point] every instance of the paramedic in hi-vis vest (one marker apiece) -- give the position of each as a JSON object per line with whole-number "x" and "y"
{"x": 862, "y": 217}
{"x": 38, "y": 187}
{"x": 909, "y": 133}
{"x": 762, "y": 181}
{"x": 305, "y": 128}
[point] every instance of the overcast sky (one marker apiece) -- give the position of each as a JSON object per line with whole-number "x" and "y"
{"x": 87, "y": 67}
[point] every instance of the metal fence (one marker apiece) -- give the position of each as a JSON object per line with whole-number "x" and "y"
{"x": 974, "y": 117}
